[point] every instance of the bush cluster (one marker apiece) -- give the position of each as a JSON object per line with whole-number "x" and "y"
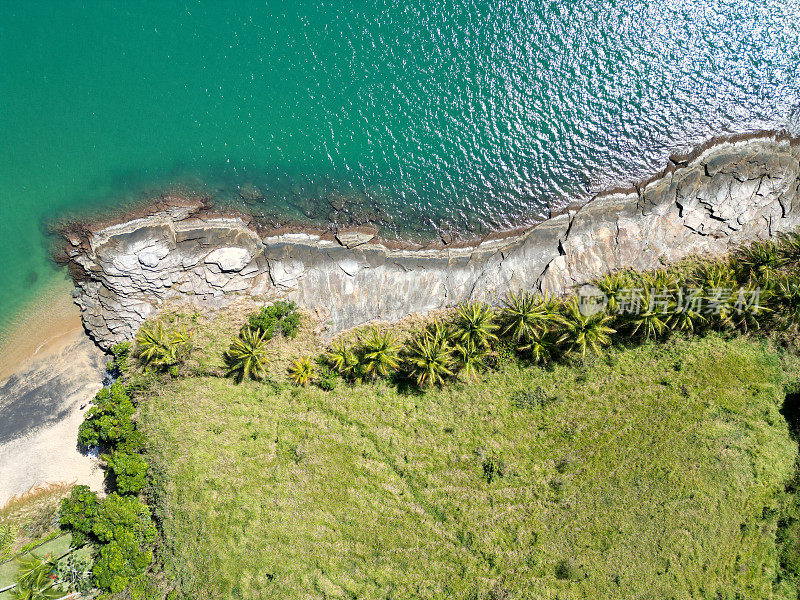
{"x": 120, "y": 365}
{"x": 248, "y": 355}
{"x": 122, "y": 529}
{"x": 119, "y": 526}
{"x": 278, "y": 318}
{"x": 109, "y": 426}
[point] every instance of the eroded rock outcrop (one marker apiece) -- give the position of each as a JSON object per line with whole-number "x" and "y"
{"x": 731, "y": 192}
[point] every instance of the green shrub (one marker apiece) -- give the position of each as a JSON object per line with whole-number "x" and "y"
{"x": 789, "y": 548}
{"x": 78, "y": 513}
{"x": 290, "y": 325}
{"x": 120, "y": 526}
{"x": 326, "y": 379}
{"x": 281, "y": 317}
{"x": 123, "y": 513}
{"x": 503, "y": 356}
{"x": 493, "y": 467}
{"x": 120, "y": 364}
{"x": 125, "y": 531}
{"x": 532, "y": 399}
{"x": 119, "y": 562}
{"x": 129, "y": 469}
{"x": 109, "y": 422}
{"x": 566, "y": 569}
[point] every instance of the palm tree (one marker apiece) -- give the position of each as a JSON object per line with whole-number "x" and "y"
{"x": 34, "y": 579}
{"x": 302, "y": 371}
{"x": 526, "y": 317}
{"x": 786, "y": 301}
{"x": 789, "y": 247}
{"x": 614, "y": 285}
{"x": 381, "y": 353}
{"x": 686, "y": 313}
{"x": 247, "y": 355}
{"x": 652, "y": 319}
{"x": 429, "y": 357}
{"x": 716, "y": 281}
{"x": 343, "y": 359}
{"x": 749, "y": 305}
{"x": 161, "y": 347}
{"x": 540, "y": 349}
{"x": 471, "y": 358}
{"x": 474, "y": 325}
{"x": 713, "y": 274}
{"x": 759, "y": 262}
{"x": 585, "y": 332}
{"x": 663, "y": 279}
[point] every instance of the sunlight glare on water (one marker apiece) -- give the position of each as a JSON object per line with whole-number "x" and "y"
{"x": 466, "y": 115}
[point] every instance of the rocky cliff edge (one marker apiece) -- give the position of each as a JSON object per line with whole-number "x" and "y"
{"x": 724, "y": 194}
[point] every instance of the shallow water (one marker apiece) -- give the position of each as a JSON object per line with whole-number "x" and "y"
{"x": 456, "y": 114}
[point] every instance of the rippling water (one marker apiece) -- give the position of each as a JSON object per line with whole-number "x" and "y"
{"x": 456, "y": 114}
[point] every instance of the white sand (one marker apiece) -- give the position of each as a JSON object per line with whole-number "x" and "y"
{"x": 41, "y": 406}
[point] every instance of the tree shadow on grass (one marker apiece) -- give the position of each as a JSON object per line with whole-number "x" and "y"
{"x": 791, "y": 411}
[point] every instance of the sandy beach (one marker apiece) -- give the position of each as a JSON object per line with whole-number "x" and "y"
{"x": 49, "y": 372}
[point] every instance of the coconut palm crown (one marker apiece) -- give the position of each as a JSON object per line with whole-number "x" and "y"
{"x": 584, "y": 333}
{"x": 302, "y": 371}
{"x": 161, "y": 347}
{"x": 381, "y": 353}
{"x": 526, "y": 316}
{"x": 343, "y": 359}
{"x": 474, "y": 325}
{"x": 471, "y": 358}
{"x": 429, "y": 357}
{"x": 247, "y": 355}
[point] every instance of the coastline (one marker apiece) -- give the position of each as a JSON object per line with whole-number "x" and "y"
{"x": 200, "y": 205}
{"x": 185, "y": 249}
{"x": 47, "y": 324}
{"x": 49, "y": 372}
{"x": 727, "y": 192}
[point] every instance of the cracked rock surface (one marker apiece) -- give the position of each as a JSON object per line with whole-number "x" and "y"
{"x": 730, "y": 193}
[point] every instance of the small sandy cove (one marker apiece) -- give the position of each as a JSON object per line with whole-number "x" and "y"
{"x": 49, "y": 373}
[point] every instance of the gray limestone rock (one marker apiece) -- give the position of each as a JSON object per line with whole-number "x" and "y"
{"x": 229, "y": 259}
{"x": 729, "y": 193}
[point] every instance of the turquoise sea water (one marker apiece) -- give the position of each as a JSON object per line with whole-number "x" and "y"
{"x": 460, "y": 114}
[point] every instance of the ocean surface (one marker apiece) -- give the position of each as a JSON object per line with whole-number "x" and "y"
{"x": 458, "y": 115}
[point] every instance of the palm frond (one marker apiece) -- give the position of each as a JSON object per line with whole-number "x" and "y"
{"x": 429, "y": 357}
{"x": 584, "y": 333}
{"x": 247, "y": 355}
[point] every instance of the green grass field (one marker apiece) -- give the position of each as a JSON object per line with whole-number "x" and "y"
{"x": 651, "y": 472}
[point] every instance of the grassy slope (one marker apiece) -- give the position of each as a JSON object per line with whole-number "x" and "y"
{"x": 647, "y": 476}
